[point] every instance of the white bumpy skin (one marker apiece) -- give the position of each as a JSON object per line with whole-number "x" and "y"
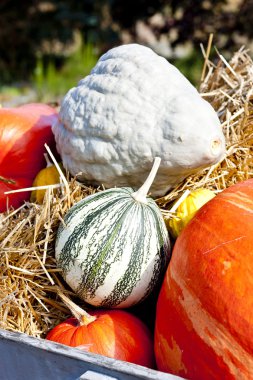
{"x": 134, "y": 106}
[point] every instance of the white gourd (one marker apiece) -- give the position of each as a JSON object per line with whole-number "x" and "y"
{"x": 113, "y": 247}
{"x": 134, "y": 106}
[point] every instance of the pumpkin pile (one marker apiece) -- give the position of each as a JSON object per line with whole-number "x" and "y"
{"x": 203, "y": 319}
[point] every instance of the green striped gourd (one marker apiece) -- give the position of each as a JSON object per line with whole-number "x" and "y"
{"x": 114, "y": 247}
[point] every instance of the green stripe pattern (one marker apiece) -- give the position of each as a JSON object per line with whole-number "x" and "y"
{"x": 112, "y": 249}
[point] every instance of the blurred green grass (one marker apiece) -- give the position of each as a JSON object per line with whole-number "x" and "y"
{"x": 52, "y": 83}
{"x": 49, "y": 82}
{"x": 191, "y": 66}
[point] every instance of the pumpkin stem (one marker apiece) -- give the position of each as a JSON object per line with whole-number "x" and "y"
{"x": 141, "y": 194}
{"x": 81, "y": 315}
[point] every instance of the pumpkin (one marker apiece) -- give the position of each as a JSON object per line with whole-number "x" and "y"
{"x": 186, "y": 209}
{"x": 23, "y": 132}
{"x": 47, "y": 176}
{"x": 204, "y": 316}
{"x": 133, "y": 106}
{"x": 113, "y": 246}
{"x": 113, "y": 333}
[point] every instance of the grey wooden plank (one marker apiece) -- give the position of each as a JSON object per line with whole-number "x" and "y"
{"x": 26, "y": 358}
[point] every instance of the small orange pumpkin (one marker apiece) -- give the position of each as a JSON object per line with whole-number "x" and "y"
{"x": 114, "y": 333}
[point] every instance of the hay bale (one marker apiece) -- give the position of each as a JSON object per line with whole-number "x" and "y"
{"x": 29, "y": 278}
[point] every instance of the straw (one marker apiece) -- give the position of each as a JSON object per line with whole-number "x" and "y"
{"x": 229, "y": 90}
{"x": 28, "y": 272}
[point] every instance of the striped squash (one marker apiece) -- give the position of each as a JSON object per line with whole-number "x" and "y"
{"x": 114, "y": 247}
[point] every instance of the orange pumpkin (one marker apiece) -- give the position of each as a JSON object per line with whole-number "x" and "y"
{"x": 204, "y": 319}
{"x": 114, "y": 333}
{"x": 23, "y": 132}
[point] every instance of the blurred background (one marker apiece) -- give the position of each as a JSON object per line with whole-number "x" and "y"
{"x": 46, "y": 47}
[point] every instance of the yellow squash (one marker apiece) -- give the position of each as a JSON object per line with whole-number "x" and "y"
{"x": 187, "y": 209}
{"x": 46, "y": 176}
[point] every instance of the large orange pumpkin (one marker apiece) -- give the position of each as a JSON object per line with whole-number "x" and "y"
{"x": 204, "y": 320}
{"x": 23, "y": 132}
